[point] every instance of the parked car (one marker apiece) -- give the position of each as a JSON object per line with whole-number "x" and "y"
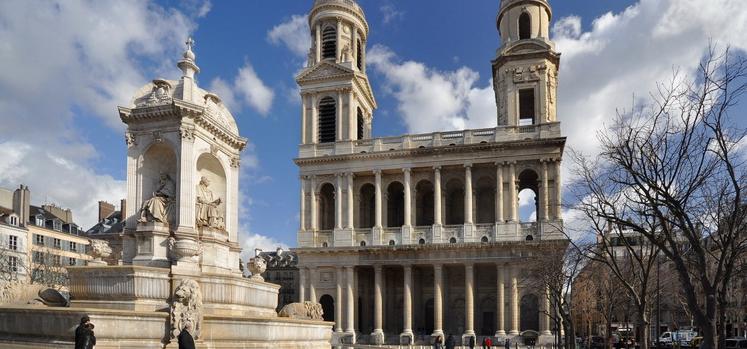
{"x": 735, "y": 343}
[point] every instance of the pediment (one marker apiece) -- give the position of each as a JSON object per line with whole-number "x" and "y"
{"x": 527, "y": 46}
{"x": 322, "y": 71}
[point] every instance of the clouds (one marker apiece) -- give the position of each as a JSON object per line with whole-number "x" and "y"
{"x": 247, "y": 89}
{"x": 293, "y": 34}
{"x": 74, "y": 61}
{"x": 389, "y": 13}
{"x": 429, "y": 99}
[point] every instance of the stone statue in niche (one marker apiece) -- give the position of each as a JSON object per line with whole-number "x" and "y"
{"x": 158, "y": 207}
{"x": 346, "y": 53}
{"x": 208, "y": 214}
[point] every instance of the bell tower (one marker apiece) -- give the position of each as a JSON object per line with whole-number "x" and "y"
{"x": 525, "y": 70}
{"x": 336, "y": 97}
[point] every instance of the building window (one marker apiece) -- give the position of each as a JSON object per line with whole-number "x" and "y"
{"x": 363, "y": 243}
{"x": 13, "y": 221}
{"x": 359, "y": 55}
{"x": 421, "y": 242}
{"x": 73, "y": 246}
{"x": 327, "y": 120}
{"x": 56, "y": 259}
{"x": 13, "y": 243}
{"x": 360, "y": 123}
{"x": 329, "y": 43}
{"x": 484, "y": 239}
{"x": 391, "y": 243}
{"x": 57, "y": 225}
{"x": 325, "y": 244}
{"x": 529, "y": 238}
{"x": 13, "y": 263}
{"x": 71, "y": 261}
{"x": 39, "y": 221}
{"x": 38, "y": 257}
{"x": 39, "y": 239}
{"x": 452, "y": 240}
{"x": 525, "y": 26}
{"x": 57, "y": 243}
{"x": 526, "y": 107}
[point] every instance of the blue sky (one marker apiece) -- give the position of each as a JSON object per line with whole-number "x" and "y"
{"x": 68, "y": 64}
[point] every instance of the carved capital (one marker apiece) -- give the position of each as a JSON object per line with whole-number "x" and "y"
{"x": 235, "y": 161}
{"x": 187, "y": 133}
{"x": 130, "y": 139}
{"x": 157, "y": 137}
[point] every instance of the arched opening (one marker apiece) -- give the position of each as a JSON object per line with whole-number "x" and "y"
{"x": 485, "y": 200}
{"x": 329, "y": 43}
{"x": 327, "y": 207}
{"x": 421, "y": 242}
{"x": 328, "y": 307}
{"x": 452, "y": 240}
{"x": 360, "y": 123}
{"x": 424, "y": 203}
{"x": 529, "y": 318}
{"x": 159, "y": 160}
{"x": 327, "y": 120}
{"x": 359, "y": 55}
{"x": 392, "y": 243}
{"x": 210, "y": 168}
{"x": 325, "y": 244}
{"x": 529, "y": 238}
{"x": 395, "y": 205}
{"x": 484, "y": 239}
{"x": 526, "y": 107}
{"x": 363, "y": 243}
{"x": 454, "y": 202}
{"x": 525, "y": 26}
{"x": 528, "y": 189}
{"x": 367, "y": 206}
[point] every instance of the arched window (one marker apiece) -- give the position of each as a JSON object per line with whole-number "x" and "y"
{"x": 528, "y": 189}
{"x": 395, "y": 205}
{"x": 327, "y": 120}
{"x": 454, "y": 202}
{"x": 485, "y": 200}
{"x": 325, "y": 244}
{"x": 363, "y": 243}
{"x": 360, "y": 123}
{"x": 329, "y": 43}
{"x": 424, "y": 203}
{"x": 525, "y": 26}
{"x": 484, "y": 239}
{"x": 366, "y": 206}
{"x": 327, "y": 207}
{"x": 529, "y": 238}
{"x": 452, "y": 240}
{"x": 391, "y": 243}
{"x": 421, "y": 242}
{"x": 328, "y": 307}
{"x": 359, "y": 55}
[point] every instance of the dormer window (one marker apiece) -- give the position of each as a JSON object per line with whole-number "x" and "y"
{"x": 13, "y": 220}
{"x": 329, "y": 43}
{"x": 57, "y": 225}
{"x": 39, "y": 221}
{"x": 525, "y": 26}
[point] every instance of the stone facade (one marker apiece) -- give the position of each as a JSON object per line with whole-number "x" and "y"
{"x": 408, "y": 237}
{"x": 282, "y": 269}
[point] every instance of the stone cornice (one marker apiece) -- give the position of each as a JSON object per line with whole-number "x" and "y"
{"x": 386, "y": 249}
{"x": 361, "y": 81}
{"x": 339, "y": 6}
{"x": 559, "y": 141}
{"x": 550, "y": 55}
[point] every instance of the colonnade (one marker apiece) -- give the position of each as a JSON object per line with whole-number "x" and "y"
{"x": 506, "y": 177}
{"x": 345, "y": 280}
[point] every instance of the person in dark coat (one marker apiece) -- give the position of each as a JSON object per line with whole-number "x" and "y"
{"x": 185, "y": 338}
{"x": 438, "y": 342}
{"x": 507, "y": 343}
{"x": 80, "y": 332}
{"x": 472, "y": 342}
{"x": 89, "y": 339}
{"x": 450, "y": 342}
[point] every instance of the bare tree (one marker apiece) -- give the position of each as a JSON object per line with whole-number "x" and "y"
{"x": 671, "y": 172}
{"x": 597, "y": 282}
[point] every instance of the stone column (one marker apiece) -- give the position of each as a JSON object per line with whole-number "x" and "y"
{"x": 185, "y": 205}
{"x": 543, "y": 192}
{"x": 501, "y": 328}
{"x": 312, "y": 286}
{"x": 545, "y": 318}
{"x": 558, "y": 193}
{"x": 338, "y": 202}
{"x": 318, "y": 42}
{"x": 378, "y": 332}
{"x": 314, "y": 120}
{"x": 340, "y": 104}
{"x": 338, "y": 54}
{"x": 350, "y": 203}
{"x": 304, "y": 116}
{"x": 437, "y": 195}
{"x": 338, "y": 299}
{"x": 408, "y": 198}
{"x": 406, "y": 336}
{"x": 312, "y": 204}
{"x": 438, "y": 300}
{"x": 352, "y": 114}
{"x": 499, "y": 193}
{"x": 302, "y": 285}
{"x": 469, "y": 305}
{"x": 350, "y": 298}
{"x": 514, "y": 303}
{"x": 468, "y": 194}
{"x": 512, "y": 192}
{"x": 353, "y": 46}
{"x": 377, "y": 223}
{"x": 302, "y": 206}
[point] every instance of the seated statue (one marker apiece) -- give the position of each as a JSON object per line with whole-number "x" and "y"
{"x": 157, "y": 208}
{"x": 208, "y": 214}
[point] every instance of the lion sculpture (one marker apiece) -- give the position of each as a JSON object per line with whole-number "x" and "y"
{"x": 186, "y": 309}
{"x": 305, "y": 310}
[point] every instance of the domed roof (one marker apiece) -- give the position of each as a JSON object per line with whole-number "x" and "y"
{"x": 164, "y": 92}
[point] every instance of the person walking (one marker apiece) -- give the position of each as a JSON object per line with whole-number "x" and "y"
{"x": 81, "y": 332}
{"x": 472, "y": 342}
{"x": 507, "y": 344}
{"x": 89, "y": 339}
{"x": 185, "y": 338}
{"x": 488, "y": 342}
{"x": 450, "y": 342}
{"x": 437, "y": 342}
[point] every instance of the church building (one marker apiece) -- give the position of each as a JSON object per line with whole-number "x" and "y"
{"x": 408, "y": 237}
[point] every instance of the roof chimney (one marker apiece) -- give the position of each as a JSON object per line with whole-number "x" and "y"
{"x": 105, "y": 210}
{"x": 21, "y": 203}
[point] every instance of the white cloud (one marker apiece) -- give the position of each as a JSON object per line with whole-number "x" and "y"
{"x": 430, "y": 100}
{"x": 293, "y": 34}
{"x": 390, "y": 13}
{"x": 247, "y": 90}
{"x": 66, "y": 58}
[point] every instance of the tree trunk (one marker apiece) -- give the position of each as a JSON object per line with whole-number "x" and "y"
{"x": 642, "y": 330}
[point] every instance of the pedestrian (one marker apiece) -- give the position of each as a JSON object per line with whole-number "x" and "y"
{"x": 80, "y": 332}
{"x": 484, "y": 342}
{"x": 185, "y": 338}
{"x": 437, "y": 342}
{"x": 471, "y": 342}
{"x": 450, "y": 342}
{"x": 507, "y": 344}
{"x": 488, "y": 342}
{"x": 89, "y": 339}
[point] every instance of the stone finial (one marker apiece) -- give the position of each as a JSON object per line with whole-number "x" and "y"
{"x": 187, "y": 63}
{"x": 257, "y": 266}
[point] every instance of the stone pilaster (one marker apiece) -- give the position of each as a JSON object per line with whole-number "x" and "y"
{"x": 302, "y": 285}
{"x": 378, "y": 332}
{"x": 338, "y": 299}
{"x": 512, "y": 193}
{"x": 558, "y": 194}
{"x": 377, "y": 229}
{"x": 499, "y": 193}
{"x": 500, "y": 288}
{"x": 469, "y": 303}
{"x": 406, "y": 337}
{"x": 312, "y": 286}
{"x": 544, "y": 198}
{"x": 350, "y": 203}
{"x": 350, "y": 300}
{"x": 514, "y": 303}
{"x": 438, "y": 300}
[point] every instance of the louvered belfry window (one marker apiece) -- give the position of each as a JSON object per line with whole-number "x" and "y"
{"x": 525, "y": 26}
{"x": 360, "y": 124}
{"x": 329, "y": 43}
{"x": 327, "y": 120}
{"x": 359, "y": 55}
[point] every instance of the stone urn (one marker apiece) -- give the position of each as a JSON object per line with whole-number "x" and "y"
{"x": 185, "y": 250}
{"x": 99, "y": 250}
{"x": 257, "y": 266}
